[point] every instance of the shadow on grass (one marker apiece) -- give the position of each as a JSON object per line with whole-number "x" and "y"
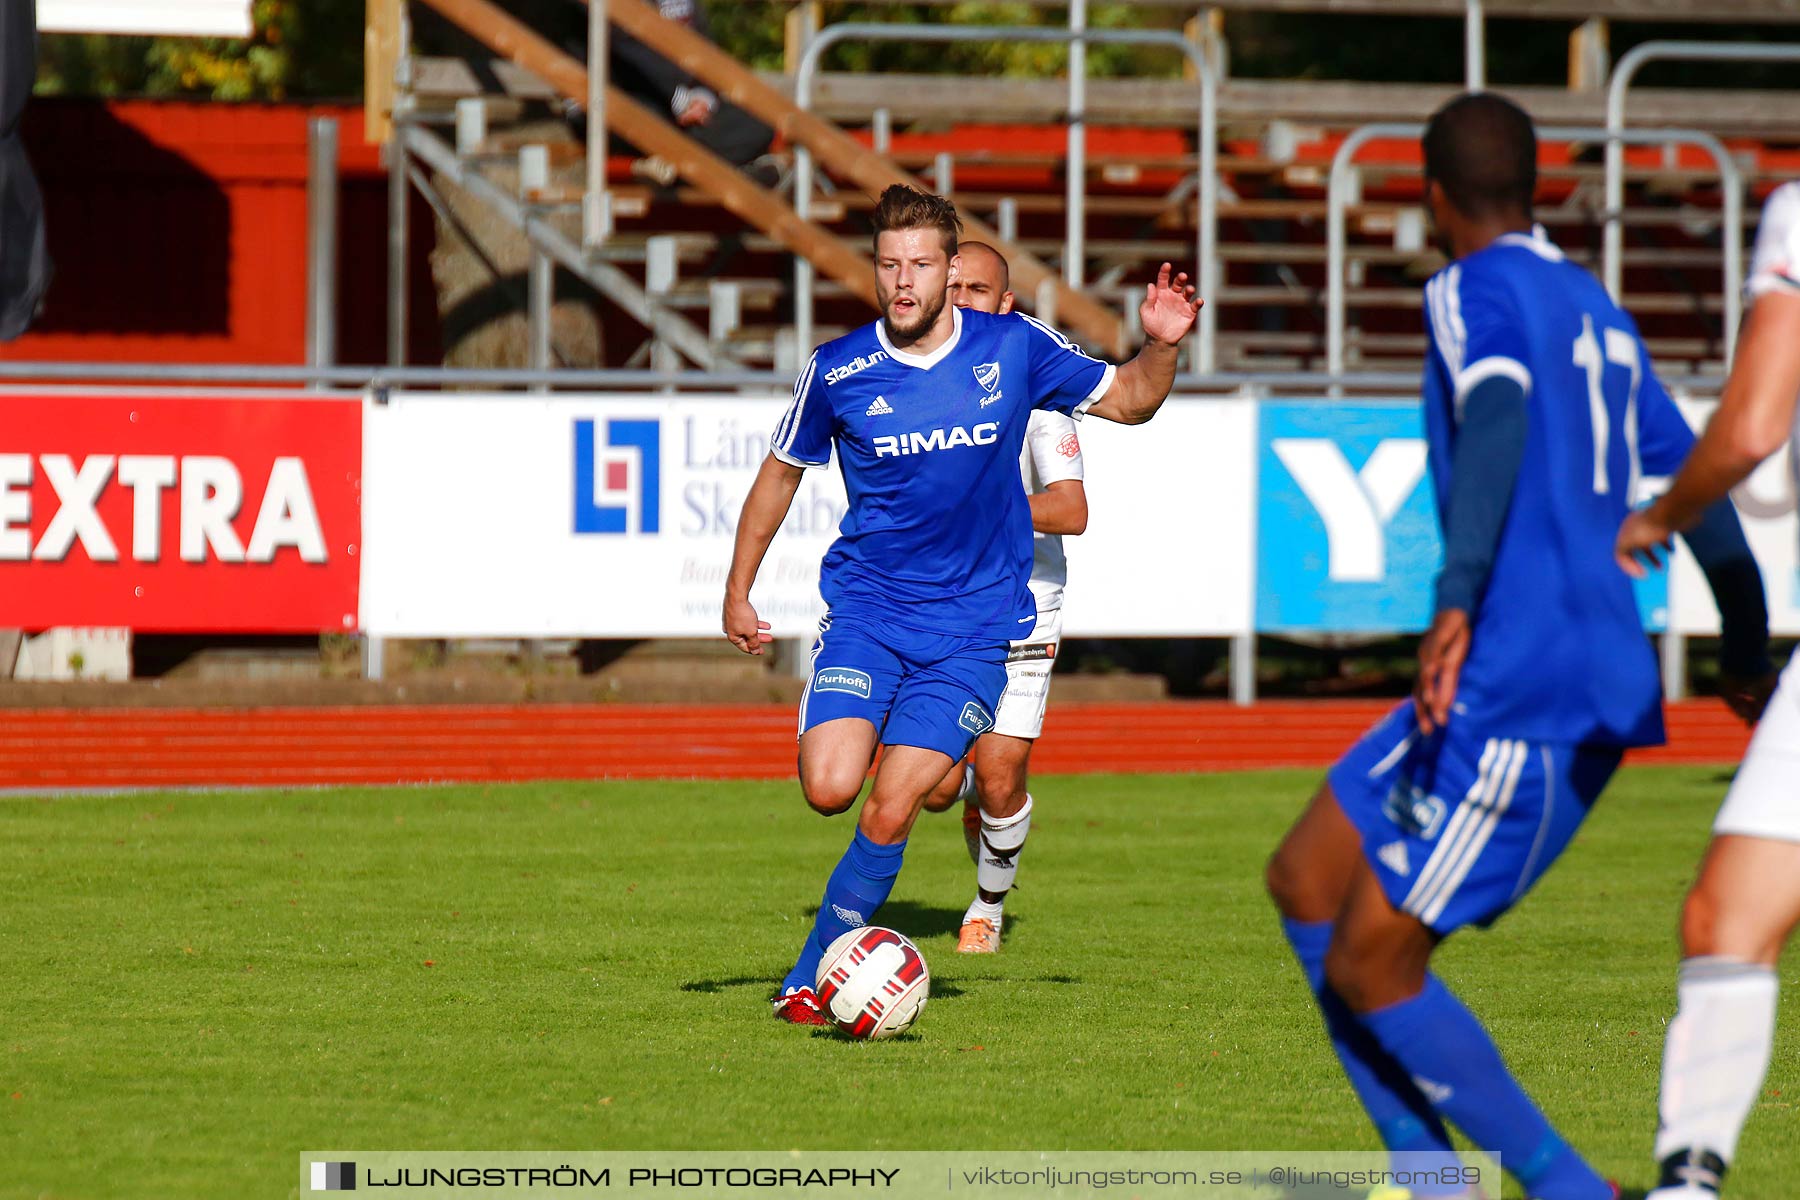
{"x": 712, "y": 987}
{"x": 832, "y": 1035}
{"x": 940, "y": 990}
{"x": 917, "y": 920}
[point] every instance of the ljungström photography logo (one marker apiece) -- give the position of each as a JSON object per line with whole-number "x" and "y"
{"x": 334, "y": 1177}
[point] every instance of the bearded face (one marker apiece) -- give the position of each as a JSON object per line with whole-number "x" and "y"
{"x": 913, "y": 271}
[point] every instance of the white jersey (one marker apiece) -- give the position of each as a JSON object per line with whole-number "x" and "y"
{"x": 1762, "y": 800}
{"x": 1775, "y": 267}
{"x": 1052, "y": 454}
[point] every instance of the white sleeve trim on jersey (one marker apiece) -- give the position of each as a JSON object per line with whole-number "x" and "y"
{"x": 1100, "y": 389}
{"x": 1775, "y": 259}
{"x": 789, "y": 428}
{"x": 791, "y": 461}
{"x": 1491, "y": 367}
{"x": 1443, "y": 304}
{"x": 1056, "y": 335}
{"x": 1764, "y": 282}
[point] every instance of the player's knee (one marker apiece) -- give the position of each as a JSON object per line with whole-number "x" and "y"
{"x": 1712, "y": 927}
{"x": 1287, "y": 882}
{"x": 939, "y": 800}
{"x": 886, "y": 818}
{"x": 1354, "y": 976}
{"x": 944, "y": 794}
{"x": 1373, "y": 973}
{"x": 1002, "y": 791}
{"x": 830, "y": 790}
{"x": 1699, "y": 923}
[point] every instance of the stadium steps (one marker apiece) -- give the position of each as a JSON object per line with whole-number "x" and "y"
{"x": 1278, "y": 139}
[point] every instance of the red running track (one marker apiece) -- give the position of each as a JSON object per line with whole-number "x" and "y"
{"x": 280, "y": 747}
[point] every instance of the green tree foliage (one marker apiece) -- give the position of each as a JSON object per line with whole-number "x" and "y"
{"x": 313, "y": 48}
{"x": 300, "y": 48}
{"x": 753, "y": 30}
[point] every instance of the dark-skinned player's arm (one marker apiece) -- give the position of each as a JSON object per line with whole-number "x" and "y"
{"x": 1484, "y": 468}
{"x": 1140, "y": 386}
{"x": 764, "y": 510}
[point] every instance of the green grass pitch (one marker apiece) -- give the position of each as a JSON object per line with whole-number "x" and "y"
{"x": 200, "y": 986}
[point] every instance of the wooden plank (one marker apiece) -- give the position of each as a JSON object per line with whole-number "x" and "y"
{"x": 755, "y": 205}
{"x": 1549, "y": 10}
{"x": 846, "y": 157}
{"x": 1253, "y": 103}
{"x": 381, "y": 53}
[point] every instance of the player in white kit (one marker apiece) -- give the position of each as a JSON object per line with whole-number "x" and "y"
{"x": 991, "y": 784}
{"x": 1746, "y": 903}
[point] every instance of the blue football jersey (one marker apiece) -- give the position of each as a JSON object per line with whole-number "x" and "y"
{"x": 938, "y": 533}
{"x": 1558, "y": 651}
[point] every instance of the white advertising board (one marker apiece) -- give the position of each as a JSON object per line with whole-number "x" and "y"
{"x": 1766, "y": 503}
{"x": 166, "y": 18}
{"x": 1170, "y": 539}
{"x": 513, "y": 516}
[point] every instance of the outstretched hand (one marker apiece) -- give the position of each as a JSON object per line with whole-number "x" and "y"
{"x": 1170, "y": 307}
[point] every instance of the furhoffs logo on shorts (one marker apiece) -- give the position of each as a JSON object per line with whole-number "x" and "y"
{"x": 844, "y": 679}
{"x": 976, "y": 719}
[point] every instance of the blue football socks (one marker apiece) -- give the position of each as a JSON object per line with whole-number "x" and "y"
{"x": 1446, "y": 1051}
{"x": 1403, "y": 1117}
{"x": 857, "y": 888}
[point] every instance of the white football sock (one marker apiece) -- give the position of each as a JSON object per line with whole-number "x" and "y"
{"x": 1001, "y": 841}
{"x": 966, "y": 793}
{"x": 1716, "y": 1055}
{"x": 981, "y": 910}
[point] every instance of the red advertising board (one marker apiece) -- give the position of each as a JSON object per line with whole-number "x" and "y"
{"x": 180, "y": 513}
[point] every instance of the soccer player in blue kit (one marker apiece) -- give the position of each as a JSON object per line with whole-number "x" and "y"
{"x": 926, "y": 585}
{"x": 1541, "y": 412}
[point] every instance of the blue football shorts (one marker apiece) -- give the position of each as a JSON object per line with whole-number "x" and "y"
{"x": 1458, "y": 826}
{"x": 918, "y": 689}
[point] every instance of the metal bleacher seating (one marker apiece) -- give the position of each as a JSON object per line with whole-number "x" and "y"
{"x": 691, "y": 249}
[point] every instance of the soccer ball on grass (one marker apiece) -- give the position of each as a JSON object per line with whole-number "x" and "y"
{"x": 872, "y": 983}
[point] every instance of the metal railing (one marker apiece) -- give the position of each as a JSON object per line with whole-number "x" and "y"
{"x": 1207, "y": 134}
{"x": 546, "y": 239}
{"x": 375, "y": 377}
{"x": 1342, "y": 162}
{"x": 1616, "y": 95}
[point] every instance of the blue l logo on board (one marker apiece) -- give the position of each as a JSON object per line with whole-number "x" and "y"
{"x": 622, "y": 480}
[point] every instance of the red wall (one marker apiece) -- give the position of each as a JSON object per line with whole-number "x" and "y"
{"x": 178, "y": 231}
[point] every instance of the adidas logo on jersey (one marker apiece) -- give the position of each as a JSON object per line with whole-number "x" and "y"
{"x": 881, "y": 408}
{"x": 984, "y": 434}
{"x": 1393, "y": 856}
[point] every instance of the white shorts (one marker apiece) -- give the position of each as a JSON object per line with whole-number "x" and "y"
{"x": 1764, "y": 800}
{"x": 1028, "y": 664}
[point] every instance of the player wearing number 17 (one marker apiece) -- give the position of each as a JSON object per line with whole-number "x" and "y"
{"x": 1541, "y": 412}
